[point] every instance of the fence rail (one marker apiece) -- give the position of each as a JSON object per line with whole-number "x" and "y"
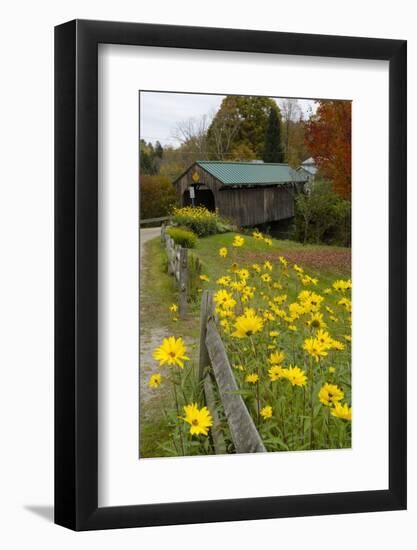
{"x": 154, "y": 220}
{"x": 214, "y": 368}
{"x": 178, "y": 267}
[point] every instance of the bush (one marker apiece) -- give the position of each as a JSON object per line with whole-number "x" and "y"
{"x": 323, "y": 216}
{"x": 183, "y": 237}
{"x": 200, "y": 220}
{"x": 157, "y": 196}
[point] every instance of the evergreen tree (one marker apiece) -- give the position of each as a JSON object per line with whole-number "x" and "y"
{"x": 273, "y": 147}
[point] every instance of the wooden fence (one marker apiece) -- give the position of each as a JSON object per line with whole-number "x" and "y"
{"x": 178, "y": 267}
{"x": 215, "y": 369}
{"x": 153, "y": 220}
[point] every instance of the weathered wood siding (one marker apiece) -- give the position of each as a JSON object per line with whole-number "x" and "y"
{"x": 245, "y": 206}
{"x": 256, "y": 205}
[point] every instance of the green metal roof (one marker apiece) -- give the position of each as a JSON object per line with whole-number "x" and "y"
{"x": 251, "y": 173}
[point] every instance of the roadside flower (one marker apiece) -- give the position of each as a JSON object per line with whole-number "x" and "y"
{"x": 276, "y": 358}
{"x": 273, "y": 333}
{"x": 317, "y": 321}
{"x": 204, "y": 278}
{"x": 348, "y": 337}
{"x": 268, "y": 265}
{"x": 330, "y": 394}
{"x": 331, "y": 370}
{"x": 252, "y": 378}
{"x": 266, "y": 412}
{"x": 342, "y": 411}
{"x": 275, "y": 373}
{"x": 173, "y": 308}
{"x": 266, "y": 278}
{"x": 257, "y": 235}
{"x": 223, "y": 252}
{"x": 268, "y": 241}
{"x": 200, "y": 420}
{"x": 295, "y": 375}
{"x": 315, "y": 348}
{"x": 225, "y": 280}
{"x": 172, "y": 351}
{"x": 247, "y": 324}
{"x": 341, "y": 285}
{"x": 283, "y": 261}
{"x": 256, "y": 267}
{"x": 155, "y": 381}
{"x": 225, "y": 299}
{"x": 238, "y": 241}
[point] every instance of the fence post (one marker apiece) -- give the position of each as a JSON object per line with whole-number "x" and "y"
{"x": 163, "y": 232}
{"x": 206, "y": 312}
{"x": 183, "y": 280}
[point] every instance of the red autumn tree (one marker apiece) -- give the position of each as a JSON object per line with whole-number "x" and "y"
{"x": 328, "y": 138}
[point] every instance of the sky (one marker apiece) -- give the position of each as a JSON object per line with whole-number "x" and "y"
{"x": 161, "y": 111}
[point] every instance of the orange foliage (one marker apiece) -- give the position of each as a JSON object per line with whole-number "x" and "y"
{"x": 328, "y": 137}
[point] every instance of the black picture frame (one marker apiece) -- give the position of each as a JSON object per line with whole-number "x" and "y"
{"x": 76, "y": 272}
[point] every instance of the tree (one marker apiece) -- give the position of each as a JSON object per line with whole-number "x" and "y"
{"x": 150, "y": 157}
{"x": 241, "y": 120}
{"x": 157, "y": 196}
{"x": 322, "y": 216}
{"x": 193, "y": 133}
{"x": 328, "y": 137}
{"x": 273, "y": 148}
{"x": 291, "y": 113}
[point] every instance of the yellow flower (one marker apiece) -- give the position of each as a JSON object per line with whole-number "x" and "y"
{"x": 256, "y": 267}
{"x": 225, "y": 280}
{"x": 298, "y": 269}
{"x": 155, "y": 381}
{"x": 204, "y": 278}
{"x": 342, "y": 411}
{"x": 275, "y": 373}
{"x": 330, "y": 394}
{"x": 234, "y": 268}
{"x": 324, "y": 338}
{"x": 266, "y": 412}
{"x": 335, "y": 344}
{"x": 172, "y": 351}
{"x": 268, "y": 241}
{"x": 240, "y": 368}
{"x": 310, "y": 301}
{"x": 257, "y": 235}
{"x": 273, "y": 333}
{"x": 268, "y": 265}
{"x": 292, "y": 327}
{"x": 243, "y": 274}
{"x": 341, "y": 285}
{"x": 295, "y": 375}
{"x": 276, "y": 358}
{"x": 345, "y": 302}
{"x": 332, "y": 370}
{"x": 283, "y": 261}
{"x": 225, "y": 299}
{"x": 252, "y": 378}
{"x": 317, "y": 321}
{"x": 327, "y": 291}
{"x": 315, "y": 348}
{"x": 223, "y": 252}
{"x": 247, "y": 324}
{"x": 348, "y": 338}
{"x": 266, "y": 278}
{"x": 200, "y": 420}
{"x": 173, "y": 308}
{"x": 238, "y": 241}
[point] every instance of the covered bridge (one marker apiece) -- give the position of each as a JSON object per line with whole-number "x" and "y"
{"x": 249, "y": 193}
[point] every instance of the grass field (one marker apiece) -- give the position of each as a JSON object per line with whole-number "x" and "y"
{"x": 158, "y": 293}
